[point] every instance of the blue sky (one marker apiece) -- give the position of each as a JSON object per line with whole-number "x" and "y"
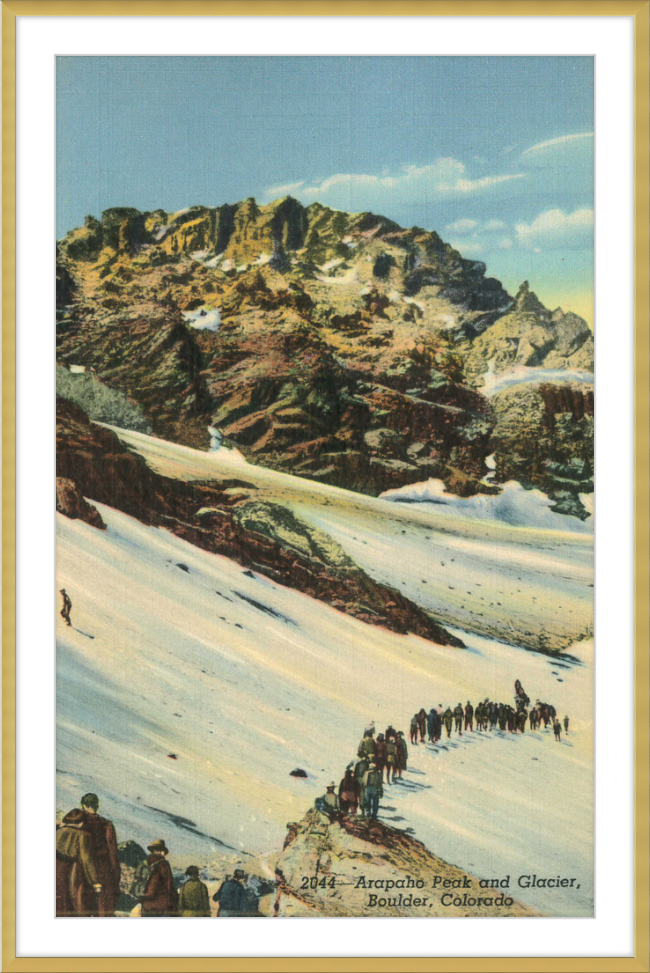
{"x": 496, "y": 154}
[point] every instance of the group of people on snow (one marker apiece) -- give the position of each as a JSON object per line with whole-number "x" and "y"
{"x": 383, "y": 758}
{"x": 361, "y": 787}
{"x": 487, "y": 715}
{"x": 88, "y": 874}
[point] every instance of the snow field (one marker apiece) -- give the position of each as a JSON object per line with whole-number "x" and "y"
{"x": 243, "y": 680}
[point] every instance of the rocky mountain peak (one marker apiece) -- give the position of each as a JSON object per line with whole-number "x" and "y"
{"x": 527, "y": 302}
{"x": 340, "y": 346}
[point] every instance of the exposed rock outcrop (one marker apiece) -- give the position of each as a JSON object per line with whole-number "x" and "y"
{"x": 343, "y": 861}
{"x": 221, "y": 517}
{"x": 70, "y": 502}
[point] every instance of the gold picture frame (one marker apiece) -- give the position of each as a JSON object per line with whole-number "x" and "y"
{"x": 637, "y": 9}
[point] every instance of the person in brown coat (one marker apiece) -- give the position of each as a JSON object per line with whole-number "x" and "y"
{"x": 104, "y": 852}
{"x": 391, "y": 759}
{"x": 77, "y": 881}
{"x": 380, "y": 754}
{"x": 422, "y": 723}
{"x": 160, "y": 896}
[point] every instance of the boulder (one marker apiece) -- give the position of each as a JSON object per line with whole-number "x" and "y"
{"x": 130, "y": 853}
{"x": 70, "y": 502}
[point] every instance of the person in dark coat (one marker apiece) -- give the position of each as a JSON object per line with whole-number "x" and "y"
{"x": 431, "y": 723}
{"x": 437, "y": 724}
{"x": 469, "y": 716}
{"x": 413, "y": 730}
{"x": 459, "y": 713}
{"x": 77, "y": 881}
{"x": 448, "y": 718}
{"x": 557, "y": 730}
{"x": 402, "y": 754}
{"x": 380, "y": 753}
{"x": 193, "y": 898}
{"x": 104, "y": 851}
{"x": 566, "y": 724}
{"x": 349, "y": 793}
{"x": 359, "y": 773}
{"x": 422, "y": 724}
{"x": 391, "y": 732}
{"x": 160, "y": 896}
{"x": 520, "y": 693}
{"x": 231, "y": 896}
{"x": 502, "y": 717}
{"x": 67, "y": 606}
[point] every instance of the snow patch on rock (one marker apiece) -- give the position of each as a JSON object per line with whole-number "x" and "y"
{"x": 203, "y": 319}
{"x": 514, "y": 505}
{"x": 217, "y": 446}
{"x": 494, "y": 382}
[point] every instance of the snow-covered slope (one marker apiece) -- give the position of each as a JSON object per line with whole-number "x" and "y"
{"x": 189, "y": 689}
{"x": 528, "y": 586}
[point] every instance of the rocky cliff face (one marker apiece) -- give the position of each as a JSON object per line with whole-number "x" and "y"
{"x": 336, "y": 346}
{"x": 224, "y": 517}
{"x": 365, "y": 868}
{"x": 543, "y": 437}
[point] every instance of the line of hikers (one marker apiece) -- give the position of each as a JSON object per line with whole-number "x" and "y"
{"x": 88, "y": 875}
{"x": 362, "y": 788}
{"x": 362, "y": 785}
{"x": 488, "y": 715}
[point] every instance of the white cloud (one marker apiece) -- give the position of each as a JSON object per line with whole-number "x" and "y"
{"x": 284, "y": 190}
{"x": 468, "y": 248}
{"x": 562, "y": 140}
{"x": 493, "y": 225}
{"x": 472, "y": 237}
{"x": 411, "y": 185}
{"x": 557, "y": 230}
{"x": 461, "y": 226}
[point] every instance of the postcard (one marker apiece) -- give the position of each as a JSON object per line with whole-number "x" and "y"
{"x": 325, "y": 486}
